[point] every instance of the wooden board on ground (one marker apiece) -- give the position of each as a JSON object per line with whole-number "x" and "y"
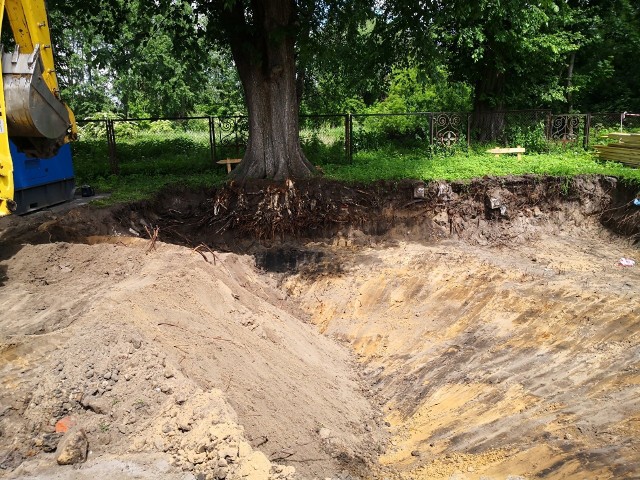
{"x": 498, "y": 151}
{"x": 228, "y": 162}
{"x": 626, "y": 152}
{"x": 627, "y": 138}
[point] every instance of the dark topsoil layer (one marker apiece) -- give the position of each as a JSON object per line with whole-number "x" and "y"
{"x": 256, "y": 215}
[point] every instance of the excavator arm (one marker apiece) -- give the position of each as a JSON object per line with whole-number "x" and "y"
{"x": 31, "y": 111}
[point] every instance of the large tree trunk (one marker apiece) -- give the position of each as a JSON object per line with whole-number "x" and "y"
{"x": 265, "y": 58}
{"x": 488, "y": 118}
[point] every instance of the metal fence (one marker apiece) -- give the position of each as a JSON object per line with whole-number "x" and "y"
{"x": 142, "y": 145}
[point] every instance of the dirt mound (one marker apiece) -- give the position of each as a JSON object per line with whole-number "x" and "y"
{"x": 167, "y": 352}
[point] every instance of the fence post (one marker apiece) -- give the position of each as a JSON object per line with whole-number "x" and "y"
{"x": 431, "y": 128}
{"x": 347, "y": 139}
{"x": 111, "y": 145}
{"x": 212, "y": 140}
{"x": 587, "y": 131}
{"x": 349, "y": 136}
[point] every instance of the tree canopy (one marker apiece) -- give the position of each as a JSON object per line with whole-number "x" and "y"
{"x": 272, "y": 58}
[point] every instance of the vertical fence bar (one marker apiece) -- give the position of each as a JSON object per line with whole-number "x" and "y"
{"x": 111, "y": 145}
{"x": 431, "y": 128}
{"x": 347, "y": 139}
{"x": 350, "y": 130}
{"x": 212, "y": 140}
{"x": 587, "y": 130}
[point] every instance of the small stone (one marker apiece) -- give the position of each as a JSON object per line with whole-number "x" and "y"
{"x": 168, "y": 374}
{"x": 165, "y": 389}
{"x": 49, "y": 441}
{"x": 568, "y": 436}
{"x": 136, "y": 342}
{"x": 107, "y": 376}
{"x": 180, "y": 399}
{"x": 89, "y": 374}
{"x": 537, "y": 212}
{"x": 127, "y": 377}
{"x": 198, "y": 458}
{"x": 114, "y": 377}
{"x": 324, "y": 433}
{"x": 415, "y": 453}
{"x": 229, "y": 453}
{"x": 73, "y": 448}
{"x": 184, "y": 426}
{"x": 166, "y": 428}
{"x": 222, "y": 463}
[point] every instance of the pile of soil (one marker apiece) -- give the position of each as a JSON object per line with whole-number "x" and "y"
{"x": 164, "y": 351}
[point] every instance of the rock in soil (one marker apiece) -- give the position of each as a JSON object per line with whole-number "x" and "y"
{"x": 73, "y": 448}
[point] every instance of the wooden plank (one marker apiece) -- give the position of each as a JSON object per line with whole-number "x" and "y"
{"x": 506, "y": 150}
{"x": 228, "y": 162}
{"x": 617, "y": 158}
{"x": 626, "y": 138}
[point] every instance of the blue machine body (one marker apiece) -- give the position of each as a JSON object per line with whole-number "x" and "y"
{"x": 42, "y": 182}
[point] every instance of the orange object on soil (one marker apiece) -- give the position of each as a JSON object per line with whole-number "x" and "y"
{"x": 64, "y": 424}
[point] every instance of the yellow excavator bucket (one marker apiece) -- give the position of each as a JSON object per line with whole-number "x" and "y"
{"x": 32, "y": 112}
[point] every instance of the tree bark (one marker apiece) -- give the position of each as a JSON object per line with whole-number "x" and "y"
{"x": 488, "y": 119}
{"x": 572, "y": 61}
{"x": 265, "y": 57}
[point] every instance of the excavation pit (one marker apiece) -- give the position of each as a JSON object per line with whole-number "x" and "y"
{"x": 382, "y": 337}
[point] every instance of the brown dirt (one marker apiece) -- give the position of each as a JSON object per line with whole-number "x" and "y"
{"x": 487, "y": 324}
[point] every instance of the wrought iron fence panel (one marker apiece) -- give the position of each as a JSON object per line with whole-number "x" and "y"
{"x": 449, "y": 128}
{"x": 230, "y": 136}
{"x": 567, "y": 128}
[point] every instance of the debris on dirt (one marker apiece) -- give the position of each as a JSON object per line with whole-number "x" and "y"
{"x": 73, "y": 448}
{"x": 627, "y": 262}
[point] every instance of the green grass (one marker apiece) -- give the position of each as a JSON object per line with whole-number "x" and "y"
{"x": 151, "y": 161}
{"x": 148, "y": 163}
{"x": 394, "y": 165}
